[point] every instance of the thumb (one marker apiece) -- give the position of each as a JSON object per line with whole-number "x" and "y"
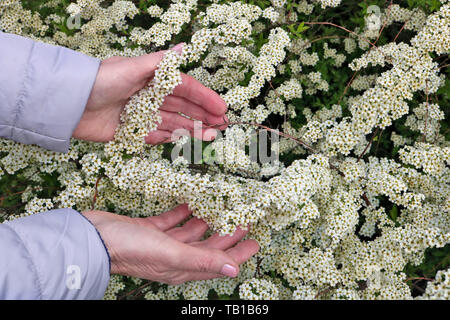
{"x": 210, "y": 261}
{"x": 149, "y": 62}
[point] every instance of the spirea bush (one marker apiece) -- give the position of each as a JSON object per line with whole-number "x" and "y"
{"x": 353, "y": 97}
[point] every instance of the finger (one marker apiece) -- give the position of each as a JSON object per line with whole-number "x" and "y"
{"x": 240, "y": 253}
{"x": 196, "y": 276}
{"x": 208, "y": 261}
{"x": 173, "y": 121}
{"x": 170, "y": 219}
{"x": 217, "y": 241}
{"x": 177, "y": 104}
{"x": 192, "y": 230}
{"x": 158, "y": 137}
{"x": 194, "y": 91}
{"x": 243, "y": 250}
{"x": 148, "y": 63}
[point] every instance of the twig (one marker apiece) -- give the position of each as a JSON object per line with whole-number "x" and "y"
{"x": 258, "y": 266}
{"x": 374, "y": 46}
{"x": 307, "y": 42}
{"x": 292, "y": 138}
{"x": 385, "y": 23}
{"x": 135, "y": 290}
{"x": 23, "y": 191}
{"x": 306, "y": 146}
{"x": 398, "y": 34}
{"x": 418, "y": 278}
{"x": 368, "y": 144}
{"x": 309, "y": 148}
{"x": 418, "y": 288}
{"x": 378, "y": 143}
{"x": 366, "y": 200}
{"x": 341, "y": 27}
{"x": 426, "y": 115}
{"x": 322, "y": 292}
{"x": 278, "y": 96}
{"x": 96, "y": 193}
{"x": 348, "y": 86}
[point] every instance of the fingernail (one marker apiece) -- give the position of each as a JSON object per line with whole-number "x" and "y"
{"x": 210, "y": 134}
{"x": 178, "y": 48}
{"x": 229, "y": 271}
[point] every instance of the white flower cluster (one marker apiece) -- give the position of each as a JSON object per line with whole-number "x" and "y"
{"x": 141, "y": 114}
{"x": 339, "y": 58}
{"x": 332, "y": 223}
{"x": 258, "y": 289}
{"x": 432, "y": 159}
{"x": 172, "y": 20}
{"x": 439, "y": 289}
{"x": 329, "y": 3}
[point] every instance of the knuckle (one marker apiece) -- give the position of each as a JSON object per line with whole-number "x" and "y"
{"x": 206, "y": 264}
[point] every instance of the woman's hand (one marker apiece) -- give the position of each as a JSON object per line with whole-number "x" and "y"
{"x": 119, "y": 78}
{"x": 154, "y": 248}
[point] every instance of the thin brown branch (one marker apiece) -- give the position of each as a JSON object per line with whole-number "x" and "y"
{"x": 418, "y": 288}
{"x": 385, "y": 23}
{"x": 348, "y": 86}
{"x": 342, "y": 28}
{"x": 278, "y": 96}
{"x": 402, "y": 28}
{"x": 307, "y": 42}
{"x": 366, "y": 199}
{"x": 302, "y": 143}
{"x": 134, "y": 291}
{"x": 378, "y": 143}
{"x": 274, "y": 90}
{"x": 368, "y": 144}
{"x": 23, "y": 191}
{"x": 258, "y": 266}
{"x": 374, "y": 45}
{"x": 96, "y": 193}
{"x": 426, "y": 115}
{"x": 322, "y": 292}
{"x": 418, "y": 278}
{"x": 306, "y": 146}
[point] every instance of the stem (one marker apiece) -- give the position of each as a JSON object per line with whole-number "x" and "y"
{"x": 395, "y": 39}
{"x": 96, "y": 193}
{"x": 418, "y": 278}
{"x": 23, "y": 191}
{"x": 426, "y": 116}
{"x": 306, "y": 146}
{"x": 368, "y": 144}
{"x": 309, "y": 148}
{"x": 348, "y": 86}
{"x": 135, "y": 290}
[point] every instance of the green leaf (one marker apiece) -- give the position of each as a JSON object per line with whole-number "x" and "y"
{"x": 394, "y": 213}
{"x": 301, "y": 27}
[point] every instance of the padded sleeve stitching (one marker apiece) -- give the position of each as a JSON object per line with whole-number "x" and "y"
{"x": 30, "y": 258}
{"x": 31, "y": 131}
{"x": 23, "y": 90}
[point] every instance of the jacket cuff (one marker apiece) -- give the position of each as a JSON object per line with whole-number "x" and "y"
{"x": 66, "y": 253}
{"x": 50, "y": 88}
